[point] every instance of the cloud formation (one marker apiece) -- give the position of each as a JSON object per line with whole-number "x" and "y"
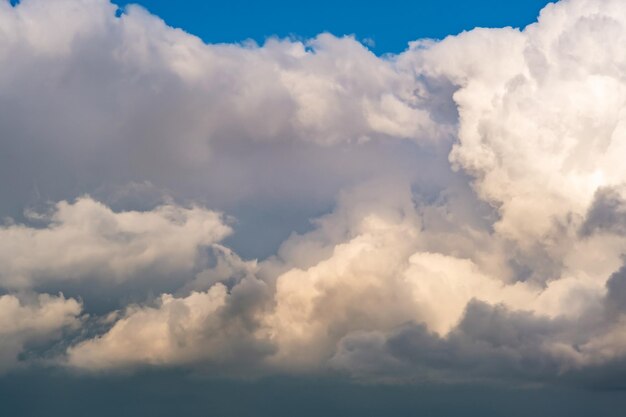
{"x": 31, "y": 321}
{"x": 86, "y": 239}
{"x": 467, "y": 195}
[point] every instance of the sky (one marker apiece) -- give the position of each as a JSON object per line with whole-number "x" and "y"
{"x": 387, "y": 210}
{"x": 386, "y": 27}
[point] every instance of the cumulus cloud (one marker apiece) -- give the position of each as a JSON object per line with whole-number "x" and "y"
{"x": 365, "y": 270}
{"x": 467, "y": 194}
{"x": 85, "y": 239}
{"x": 215, "y": 327}
{"x": 142, "y": 101}
{"x": 33, "y": 320}
{"x": 540, "y": 113}
{"x": 490, "y": 342}
{"x": 607, "y": 212}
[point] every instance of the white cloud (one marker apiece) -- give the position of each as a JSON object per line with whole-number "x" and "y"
{"x": 540, "y": 113}
{"x": 35, "y": 320}
{"x": 214, "y": 327}
{"x": 86, "y": 240}
{"x": 170, "y": 333}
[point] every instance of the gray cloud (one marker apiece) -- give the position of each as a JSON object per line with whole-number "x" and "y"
{"x": 607, "y": 213}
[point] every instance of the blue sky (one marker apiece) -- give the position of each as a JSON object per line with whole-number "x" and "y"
{"x": 390, "y": 24}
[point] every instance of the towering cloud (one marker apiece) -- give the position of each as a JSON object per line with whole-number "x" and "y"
{"x": 467, "y": 197}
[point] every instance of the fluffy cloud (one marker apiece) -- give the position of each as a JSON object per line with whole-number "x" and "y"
{"x": 142, "y": 101}
{"x": 215, "y": 327}
{"x": 86, "y": 239}
{"x": 365, "y": 270}
{"x": 540, "y": 113}
{"x": 478, "y": 218}
{"x": 33, "y": 320}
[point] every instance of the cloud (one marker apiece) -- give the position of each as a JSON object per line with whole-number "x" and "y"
{"x": 607, "y": 212}
{"x": 490, "y": 342}
{"x": 33, "y": 320}
{"x": 215, "y": 327}
{"x": 143, "y": 101}
{"x": 466, "y": 195}
{"x": 364, "y": 270}
{"x": 87, "y": 240}
{"x": 540, "y": 113}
